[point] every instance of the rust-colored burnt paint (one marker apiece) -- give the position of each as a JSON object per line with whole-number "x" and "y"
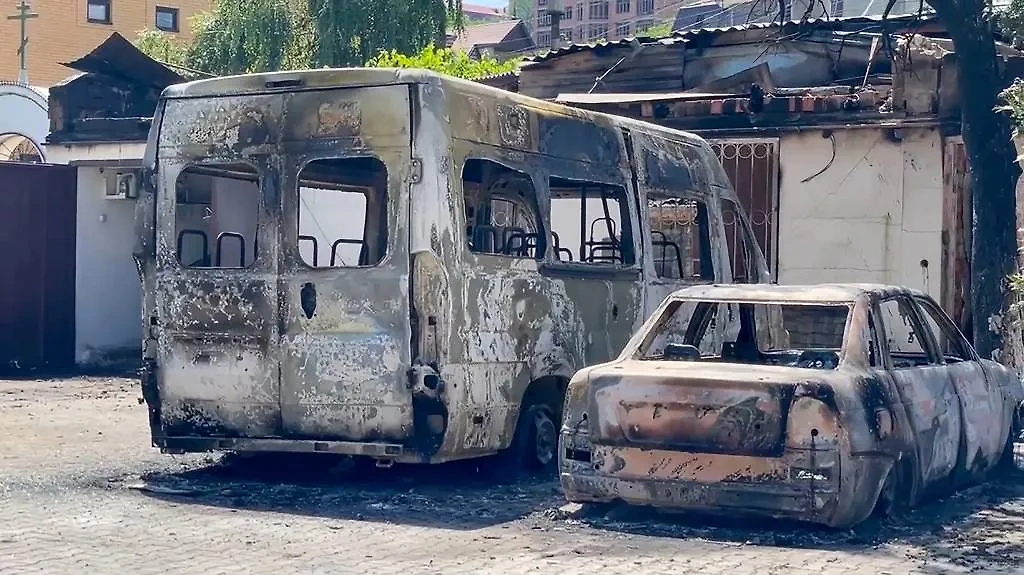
{"x": 821, "y": 445}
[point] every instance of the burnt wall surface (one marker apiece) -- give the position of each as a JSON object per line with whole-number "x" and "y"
{"x": 97, "y": 107}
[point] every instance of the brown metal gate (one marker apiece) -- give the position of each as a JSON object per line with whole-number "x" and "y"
{"x": 37, "y": 266}
{"x": 752, "y": 165}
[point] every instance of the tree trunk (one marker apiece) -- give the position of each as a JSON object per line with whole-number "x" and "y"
{"x": 993, "y": 171}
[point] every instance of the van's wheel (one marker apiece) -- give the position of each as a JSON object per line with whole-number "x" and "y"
{"x": 534, "y": 447}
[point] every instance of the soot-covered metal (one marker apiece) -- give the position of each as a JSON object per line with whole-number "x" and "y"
{"x": 452, "y": 315}
{"x": 757, "y": 422}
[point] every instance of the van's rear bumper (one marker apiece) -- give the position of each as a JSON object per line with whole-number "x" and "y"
{"x": 207, "y": 444}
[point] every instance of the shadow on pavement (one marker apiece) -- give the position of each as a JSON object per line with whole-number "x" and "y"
{"x": 962, "y": 531}
{"x": 983, "y": 525}
{"x": 460, "y": 495}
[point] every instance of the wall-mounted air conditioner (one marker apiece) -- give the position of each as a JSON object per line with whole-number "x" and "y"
{"x": 122, "y": 185}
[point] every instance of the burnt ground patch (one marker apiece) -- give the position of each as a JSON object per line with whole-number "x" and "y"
{"x": 459, "y": 495}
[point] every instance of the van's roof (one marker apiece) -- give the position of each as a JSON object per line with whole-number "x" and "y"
{"x": 366, "y": 77}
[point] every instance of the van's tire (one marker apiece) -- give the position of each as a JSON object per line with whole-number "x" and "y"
{"x": 534, "y": 447}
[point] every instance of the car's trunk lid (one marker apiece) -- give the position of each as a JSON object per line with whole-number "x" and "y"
{"x": 692, "y": 407}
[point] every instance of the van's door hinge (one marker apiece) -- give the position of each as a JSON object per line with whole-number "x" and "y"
{"x": 416, "y": 171}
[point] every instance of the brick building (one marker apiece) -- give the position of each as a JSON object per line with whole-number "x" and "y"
{"x": 66, "y": 29}
{"x": 589, "y": 20}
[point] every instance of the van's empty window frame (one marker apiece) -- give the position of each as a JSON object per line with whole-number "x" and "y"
{"x": 704, "y": 211}
{"x": 534, "y": 204}
{"x": 216, "y": 168}
{"x": 598, "y": 185}
{"x": 367, "y": 189}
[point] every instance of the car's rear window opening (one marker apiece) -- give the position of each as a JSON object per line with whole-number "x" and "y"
{"x": 806, "y": 335}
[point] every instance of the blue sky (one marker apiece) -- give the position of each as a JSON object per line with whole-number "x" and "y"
{"x": 493, "y": 3}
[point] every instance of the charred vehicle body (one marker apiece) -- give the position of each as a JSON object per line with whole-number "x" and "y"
{"x": 818, "y": 403}
{"x": 405, "y": 266}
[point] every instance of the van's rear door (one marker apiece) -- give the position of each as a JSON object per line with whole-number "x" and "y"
{"x": 344, "y": 265}
{"x": 215, "y": 277}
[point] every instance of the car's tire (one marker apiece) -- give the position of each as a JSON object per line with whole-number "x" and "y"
{"x": 1007, "y": 458}
{"x": 892, "y": 497}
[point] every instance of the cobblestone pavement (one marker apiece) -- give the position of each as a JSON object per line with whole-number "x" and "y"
{"x": 81, "y": 491}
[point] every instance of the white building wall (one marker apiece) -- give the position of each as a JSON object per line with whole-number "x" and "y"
{"x": 25, "y": 112}
{"x": 108, "y": 295}
{"x": 873, "y": 215}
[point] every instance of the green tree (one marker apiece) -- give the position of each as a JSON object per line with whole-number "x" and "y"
{"x": 244, "y": 36}
{"x": 445, "y": 61}
{"x": 660, "y": 31}
{"x": 994, "y": 171}
{"x": 162, "y": 47}
{"x": 350, "y": 32}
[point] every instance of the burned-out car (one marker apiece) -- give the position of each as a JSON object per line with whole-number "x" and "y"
{"x": 817, "y": 403}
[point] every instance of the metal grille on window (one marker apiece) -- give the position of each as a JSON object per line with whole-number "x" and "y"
{"x": 753, "y": 168}
{"x": 676, "y": 238}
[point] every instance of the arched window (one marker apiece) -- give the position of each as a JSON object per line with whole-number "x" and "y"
{"x": 19, "y": 148}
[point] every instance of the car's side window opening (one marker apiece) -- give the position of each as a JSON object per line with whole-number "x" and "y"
{"x": 904, "y": 337}
{"x": 951, "y": 344}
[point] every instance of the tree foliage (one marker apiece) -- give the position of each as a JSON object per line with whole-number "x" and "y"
{"x": 445, "y": 61}
{"x": 162, "y": 47}
{"x": 660, "y": 31}
{"x": 244, "y": 36}
{"x": 350, "y": 32}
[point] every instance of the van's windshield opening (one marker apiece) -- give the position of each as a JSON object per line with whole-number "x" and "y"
{"x": 343, "y": 212}
{"x": 217, "y": 216}
{"x": 794, "y": 335}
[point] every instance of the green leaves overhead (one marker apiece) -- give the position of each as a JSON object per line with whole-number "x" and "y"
{"x": 350, "y": 32}
{"x": 244, "y": 36}
{"x": 446, "y": 62}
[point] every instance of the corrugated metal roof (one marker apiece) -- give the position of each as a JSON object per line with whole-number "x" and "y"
{"x": 837, "y": 24}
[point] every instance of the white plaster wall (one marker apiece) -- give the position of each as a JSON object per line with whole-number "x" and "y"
{"x": 872, "y": 216}
{"x": 24, "y": 111}
{"x": 108, "y": 296}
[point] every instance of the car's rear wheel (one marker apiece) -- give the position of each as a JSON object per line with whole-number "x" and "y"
{"x": 892, "y": 498}
{"x": 1007, "y": 459}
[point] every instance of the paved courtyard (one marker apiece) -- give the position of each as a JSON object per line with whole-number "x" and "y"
{"x": 81, "y": 491}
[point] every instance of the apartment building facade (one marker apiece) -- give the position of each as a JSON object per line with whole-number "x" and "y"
{"x": 64, "y": 30}
{"x": 586, "y": 21}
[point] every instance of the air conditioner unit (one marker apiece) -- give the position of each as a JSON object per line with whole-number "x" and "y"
{"x": 122, "y": 186}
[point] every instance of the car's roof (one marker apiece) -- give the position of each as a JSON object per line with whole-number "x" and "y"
{"x": 775, "y": 293}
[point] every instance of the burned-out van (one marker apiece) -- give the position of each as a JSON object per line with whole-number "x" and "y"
{"x": 406, "y": 266}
